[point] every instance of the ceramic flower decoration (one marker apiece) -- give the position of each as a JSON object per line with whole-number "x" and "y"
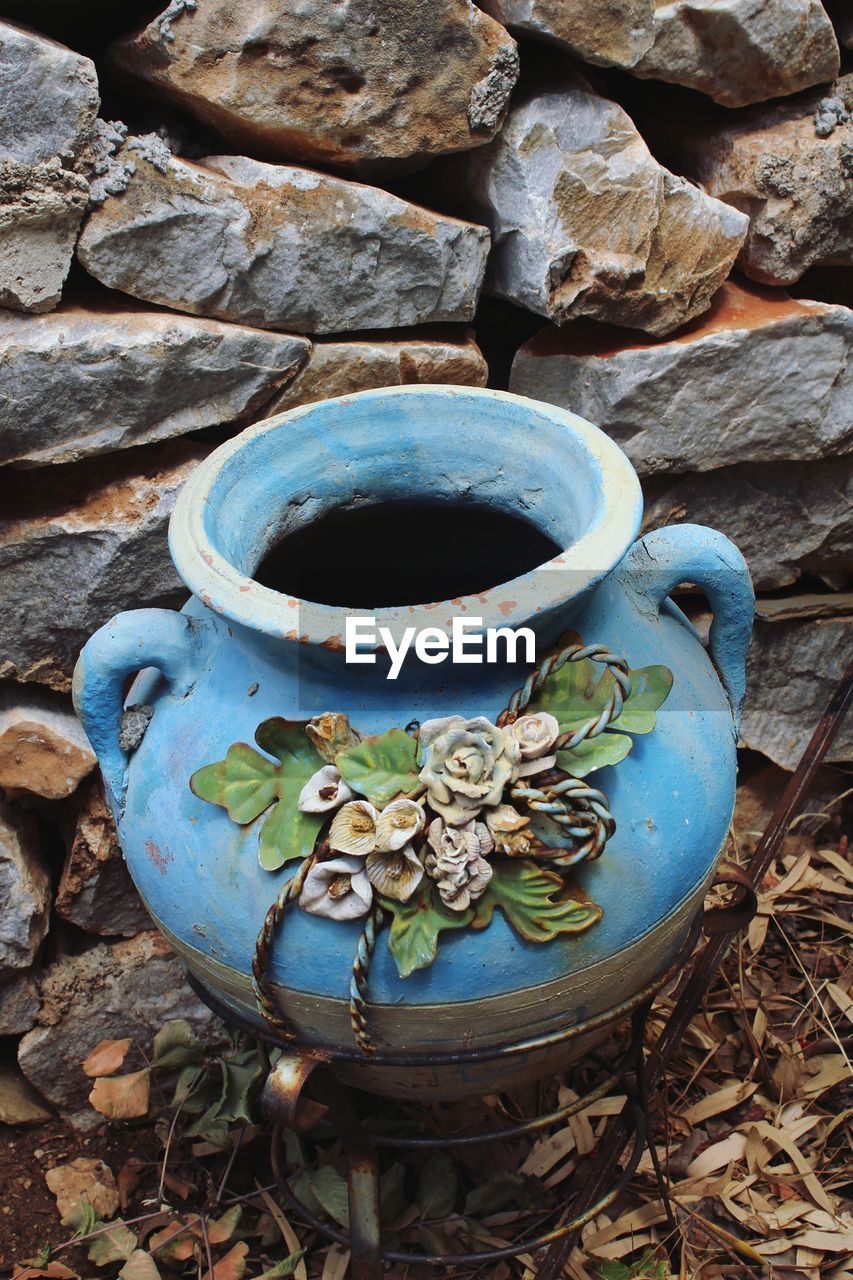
{"x": 467, "y": 765}
{"x": 435, "y": 828}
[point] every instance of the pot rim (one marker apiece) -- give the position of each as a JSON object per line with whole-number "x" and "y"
{"x": 222, "y": 587}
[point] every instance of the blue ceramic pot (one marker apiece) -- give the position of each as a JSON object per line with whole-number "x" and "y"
{"x": 239, "y": 653}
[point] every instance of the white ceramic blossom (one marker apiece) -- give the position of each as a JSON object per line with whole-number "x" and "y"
{"x": 353, "y": 828}
{"x": 457, "y": 861}
{"x": 468, "y": 763}
{"x": 395, "y": 873}
{"x": 535, "y": 735}
{"x": 506, "y": 826}
{"x": 324, "y": 790}
{"x": 338, "y": 889}
{"x": 398, "y": 823}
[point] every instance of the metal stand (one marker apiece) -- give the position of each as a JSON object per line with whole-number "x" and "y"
{"x": 364, "y": 1237}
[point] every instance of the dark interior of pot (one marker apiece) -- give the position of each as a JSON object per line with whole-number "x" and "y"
{"x": 398, "y": 553}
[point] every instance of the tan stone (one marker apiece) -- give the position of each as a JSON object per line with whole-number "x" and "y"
{"x": 343, "y": 85}
{"x": 279, "y": 247}
{"x": 41, "y": 208}
{"x": 43, "y": 749}
{"x": 610, "y": 33}
{"x": 739, "y": 51}
{"x": 586, "y": 222}
{"x": 787, "y": 166}
{"x": 74, "y": 554}
{"x": 95, "y": 891}
{"x": 340, "y": 367}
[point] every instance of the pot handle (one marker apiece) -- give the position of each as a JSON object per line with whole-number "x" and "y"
{"x": 125, "y": 645}
{"x": 659, "y": 561}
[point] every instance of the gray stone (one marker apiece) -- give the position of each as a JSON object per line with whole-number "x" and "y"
{"x": 788, "y": 518}
{"x": 794, "y": 665}
{"x": 339, "y": 367}
{"x": 24, "y": 894}
{"x": 741, "y": 51}
{"x": 586, "y": 222}
{"x": 103, "y": 529}
{"x": 788, "y": 167}
{"x": 41, "y": 208}
{"x": 279, "y": 247}
{"x": 349, "y": 86}
{"x": 96, "y": 892}
{"x": 109, "y": 992}
{"x": 48, "y": 97}
{"x": 610, "y": 33}
{"x": 91, "y": 380}
{"x": 19, "y": 1003}
{"x": 761, "y": 378}
{"x": 43, "y": 749}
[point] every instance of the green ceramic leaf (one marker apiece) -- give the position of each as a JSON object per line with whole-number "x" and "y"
{"x": 595, "y": 753}
{"x": 416, "y": 924}
{"x": 246, "y": 783}
{"x": 650, "y": 687}
{"x": 288, "y": 833}
{"x": 529, "y": 898}
{"x": 581, "y": 690}
{"x": 382, "y": 767}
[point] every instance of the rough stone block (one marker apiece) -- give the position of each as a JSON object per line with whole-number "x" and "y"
{"x": 761, "y": 377}
{"x": 740, "y": 52}
{"x": 610, "y": 33}
{"x": 41, "y": 208}
{"x": 43, "y": 749}
{"x": 359, "y": 85}
{"x": 341, "y": 366}
{"x": 586, "y": 222}
{"x": 279, "y": 247}
{"x": 48, "y": 97}
{"x": 74, "y": 553}
{"x": 787, "y": 166}
{"x": 109, "y": 992}
{"x": 96, "y": 892}
{"x": 86, "y": 380}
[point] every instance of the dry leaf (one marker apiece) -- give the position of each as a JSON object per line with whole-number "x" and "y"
{"x": 53, "y": 1271}
{"x": 336, "y": 1263}
{"x": 289, "y": 1235}
{"x": 718, "y": 1156}
{"x": 140, "y": 1266}
{"x": 106, "y": 1058}
{"x": 83, "y": 1177}
{"x": 122, "y": 1097}
{"x": 721, "y": 1100}
{"x": 232, "y": 1266}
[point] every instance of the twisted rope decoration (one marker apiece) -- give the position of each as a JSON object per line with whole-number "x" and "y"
{"x": 574, "y": 653}
{"x": 264, "y": 994}
{"x": 358, "y": 982}
{"x": 582, "y": 811}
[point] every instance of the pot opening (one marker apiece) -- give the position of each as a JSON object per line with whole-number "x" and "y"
{"x": 396, "y": 499}
{"x": 399, "y": 553}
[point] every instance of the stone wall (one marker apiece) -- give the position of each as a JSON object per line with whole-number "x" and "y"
{"x": 640, "y": 211}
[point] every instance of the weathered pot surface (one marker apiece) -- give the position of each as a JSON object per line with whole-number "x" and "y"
{"x": 240, "y": 653}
